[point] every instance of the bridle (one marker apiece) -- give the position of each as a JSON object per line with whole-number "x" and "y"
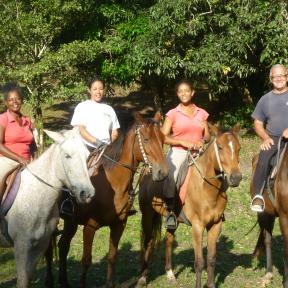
{"x": 62, "y": 189}
{"x": 222, "y": 174}
{"x": 147, "y": 164}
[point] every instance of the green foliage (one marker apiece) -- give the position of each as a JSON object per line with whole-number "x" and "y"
{"x": 52, "y": 47}
{"x": 241, "y": 115}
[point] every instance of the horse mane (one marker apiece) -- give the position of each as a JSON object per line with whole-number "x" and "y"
{"x": 113, "y": 151}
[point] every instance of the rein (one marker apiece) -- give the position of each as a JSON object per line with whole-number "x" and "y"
{"x": 142, "y": 150}
{"x": 50, "y": 185}
{"x": 147, "y": 164}
{"x": 222, "y": 173}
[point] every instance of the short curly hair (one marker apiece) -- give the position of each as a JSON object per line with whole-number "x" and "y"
{"x": 11, "y": 87}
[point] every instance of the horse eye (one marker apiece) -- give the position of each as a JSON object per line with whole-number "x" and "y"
{"x": 220, "y": 147}
{"x": 67, "y": 156}
{"x": 146, "y": 140}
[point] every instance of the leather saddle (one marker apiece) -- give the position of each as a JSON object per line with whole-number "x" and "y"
{"x": 7, "y": 181}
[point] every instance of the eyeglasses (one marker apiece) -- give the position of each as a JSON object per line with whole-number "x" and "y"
{"x": 282, "y": 76}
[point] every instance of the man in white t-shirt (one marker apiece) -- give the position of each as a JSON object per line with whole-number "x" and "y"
{"x": 97, "y": 121}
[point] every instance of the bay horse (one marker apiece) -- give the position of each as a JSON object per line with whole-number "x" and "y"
{"x": 110, "y": 207}
{"x": 34, "y": 215}
{"x": 215, "y": 170}
{"x": 266, "y": 219}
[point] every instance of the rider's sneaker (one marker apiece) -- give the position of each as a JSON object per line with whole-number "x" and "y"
{"x": 171, "y": 221}
{"x": 258, "y": 203}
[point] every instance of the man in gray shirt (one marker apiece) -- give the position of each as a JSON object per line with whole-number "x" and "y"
{"x": 270, "y": 123}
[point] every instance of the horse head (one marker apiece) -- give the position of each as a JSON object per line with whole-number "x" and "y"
{"x": 226, "y": 147}
{"x": 71, "y": 164}
{"x": 149, "y": 145}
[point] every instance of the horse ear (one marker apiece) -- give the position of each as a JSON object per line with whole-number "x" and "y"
{"x": 214, "y": 129}
{"x": 157, "y": 116}
{"x": 138, "y": 118}
{"x": 236, "y": 128}
{"x": 56, "y": 136}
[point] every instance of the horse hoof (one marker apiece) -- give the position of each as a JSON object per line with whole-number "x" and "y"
{"x": 268, "y": 276}
{"x": 266, "y": 280}
{"x": 141, "y": 282}
{"x": 171, "y": 277}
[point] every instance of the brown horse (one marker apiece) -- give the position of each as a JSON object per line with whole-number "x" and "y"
{"x": 266, "y": 219}
{"x": 113, "y": 183}
{"x": 206, "y": 199}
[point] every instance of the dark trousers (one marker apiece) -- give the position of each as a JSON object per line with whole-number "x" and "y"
{"x": 262, "y": 167}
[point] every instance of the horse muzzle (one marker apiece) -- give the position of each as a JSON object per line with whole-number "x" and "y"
{"x": 84, "y": 195}
{"x": 159, "y": 173}
{"x": 234, "y": 179}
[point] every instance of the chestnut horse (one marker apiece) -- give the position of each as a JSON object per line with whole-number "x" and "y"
{"x": 113, "y": 183}
{"x": 266, "y": 219}
{"x": 215, "y": 170}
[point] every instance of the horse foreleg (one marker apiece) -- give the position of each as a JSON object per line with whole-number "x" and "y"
{"x": 49, "y": 281}
{"x": 88, "y": 236}
{"x": 69, "y": 231}
{"x": 212, "y": 236}
{"x": 115, "y": 235}
{"x": 147, "y": 242}
{"x": 197, "y": 234}
{"x": 26, "y": 260}
{"x": 283, "y": 219}
{"x": 168, "y": 257}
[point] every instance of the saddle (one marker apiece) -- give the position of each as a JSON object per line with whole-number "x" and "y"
{"x": 7, "y": 181}
{"x": 93, "y": 161}
{"x": 9, "y": 189}
{"x": 274, "y": 164}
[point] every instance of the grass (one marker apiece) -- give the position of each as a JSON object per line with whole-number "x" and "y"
{"x": 234, "y": 268}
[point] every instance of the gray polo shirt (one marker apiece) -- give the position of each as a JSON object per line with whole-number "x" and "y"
{"x": 272, "y": 109}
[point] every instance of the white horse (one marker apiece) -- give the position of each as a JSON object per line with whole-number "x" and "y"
{"x": 34, "y": 215}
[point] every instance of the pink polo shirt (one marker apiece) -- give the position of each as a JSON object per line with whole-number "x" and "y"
{"x": 17, "y": 138}
{"x": 185, "y": 127}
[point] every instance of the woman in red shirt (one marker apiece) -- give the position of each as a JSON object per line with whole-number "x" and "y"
{"x": 16, "y": 138}
{"x": 185, "y": 128}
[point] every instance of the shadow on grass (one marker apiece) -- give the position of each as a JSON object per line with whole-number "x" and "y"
{"x": 128, "y": 268}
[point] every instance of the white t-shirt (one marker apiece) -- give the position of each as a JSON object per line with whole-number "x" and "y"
{"x": 99, "y": 119}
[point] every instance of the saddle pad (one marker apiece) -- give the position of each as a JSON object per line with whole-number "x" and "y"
{"x": 184, "y": 186}
{"x": 9, "y": 200}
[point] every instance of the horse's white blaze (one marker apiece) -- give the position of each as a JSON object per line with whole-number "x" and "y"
{"x": 232, "y": 149}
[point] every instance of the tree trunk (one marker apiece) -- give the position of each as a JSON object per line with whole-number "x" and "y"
{"x": 38, "y": 125}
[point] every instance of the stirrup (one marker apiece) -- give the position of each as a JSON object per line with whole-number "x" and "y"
{"x": 67, "y": 208}
{"x": 171, "y": 221}
{"x": 256, "y": 207}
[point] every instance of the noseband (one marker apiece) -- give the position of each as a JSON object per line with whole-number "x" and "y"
{"x": 222, "y": 173}
{"x": 142, "y": 150}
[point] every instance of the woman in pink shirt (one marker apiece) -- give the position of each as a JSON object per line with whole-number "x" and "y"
{"x": 185, "y": 128}
{"x": 16, "y": 138}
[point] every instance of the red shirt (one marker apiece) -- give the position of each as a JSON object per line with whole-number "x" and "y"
{"x": 17, "y": 138}
{"x": 185, "y": 127}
